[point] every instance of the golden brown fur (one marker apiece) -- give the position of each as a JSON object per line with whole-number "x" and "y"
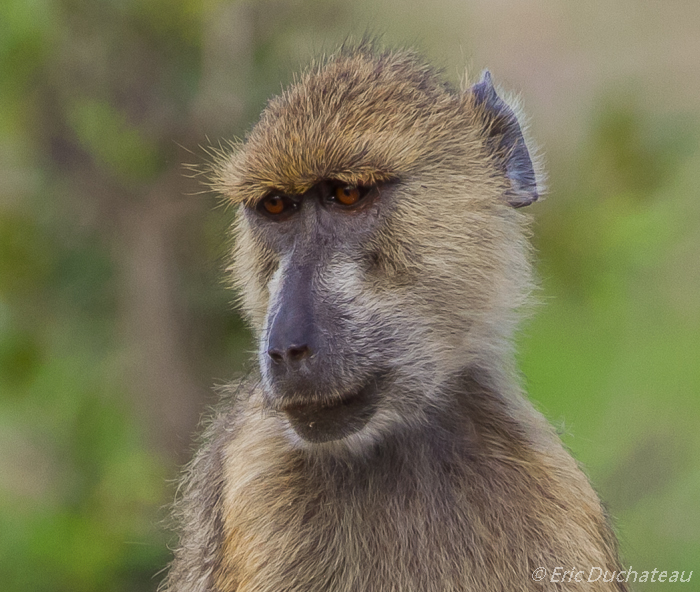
{"x": 455, "y": 483}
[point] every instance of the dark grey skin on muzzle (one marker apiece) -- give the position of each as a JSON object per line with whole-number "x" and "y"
{"x": 315, "y": 365}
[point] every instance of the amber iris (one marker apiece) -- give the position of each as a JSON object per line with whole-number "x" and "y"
{"x": 347, "y": 195}
{"x": 273, "y": 204}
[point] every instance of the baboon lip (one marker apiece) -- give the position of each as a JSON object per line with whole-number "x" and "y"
{"x": 321, "y": 406}
{"x": 324, "y": 421}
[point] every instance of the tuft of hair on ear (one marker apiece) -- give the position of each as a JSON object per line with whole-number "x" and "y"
{"x": 505, "y": 133}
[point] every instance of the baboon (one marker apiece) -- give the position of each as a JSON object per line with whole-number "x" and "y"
{"x": 384, "y": 444}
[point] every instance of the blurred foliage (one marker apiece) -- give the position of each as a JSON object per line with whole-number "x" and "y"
{"x": 96, "y": 99}
{"x": 80, "y": 487}
{"x": 618, "y": 347}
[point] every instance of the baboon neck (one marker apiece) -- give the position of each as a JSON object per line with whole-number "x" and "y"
{"x": 477, "y": 423}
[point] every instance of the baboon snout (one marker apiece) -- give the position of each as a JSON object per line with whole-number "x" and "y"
{"x": 290, "y": 355}
{"x": 291, "y": 339}
{"x": 292, "y": 332}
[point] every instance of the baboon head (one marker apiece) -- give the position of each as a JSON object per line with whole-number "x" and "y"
{"x": 379, "y": 252}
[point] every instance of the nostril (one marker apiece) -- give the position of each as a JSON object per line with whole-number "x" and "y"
{"x": 276, "y": 355}
{"x": 298, "y": 353}
{"x": 293, "y": 354}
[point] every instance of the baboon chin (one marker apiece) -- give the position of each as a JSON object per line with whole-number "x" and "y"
{"x": 384, "y": 444}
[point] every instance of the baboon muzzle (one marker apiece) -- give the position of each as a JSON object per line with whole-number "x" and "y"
{"x": 292, "y": 334}
{"x": 305, "y": 389}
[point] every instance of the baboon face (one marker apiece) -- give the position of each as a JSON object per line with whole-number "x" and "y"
{"x": 376, "y": 242}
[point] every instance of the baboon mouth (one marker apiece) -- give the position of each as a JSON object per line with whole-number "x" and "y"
{"x": 324, "y": 421}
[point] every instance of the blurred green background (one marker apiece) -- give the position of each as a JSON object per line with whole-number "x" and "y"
{"x": 114, "y": 319}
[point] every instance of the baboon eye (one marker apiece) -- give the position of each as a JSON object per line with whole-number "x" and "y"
{"x": 347, "y": 195}
{"x": 273, "y": 204}
{"x": 277, "y": 206}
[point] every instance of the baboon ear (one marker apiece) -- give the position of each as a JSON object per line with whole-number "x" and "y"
{"x": 506, "y": 140}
